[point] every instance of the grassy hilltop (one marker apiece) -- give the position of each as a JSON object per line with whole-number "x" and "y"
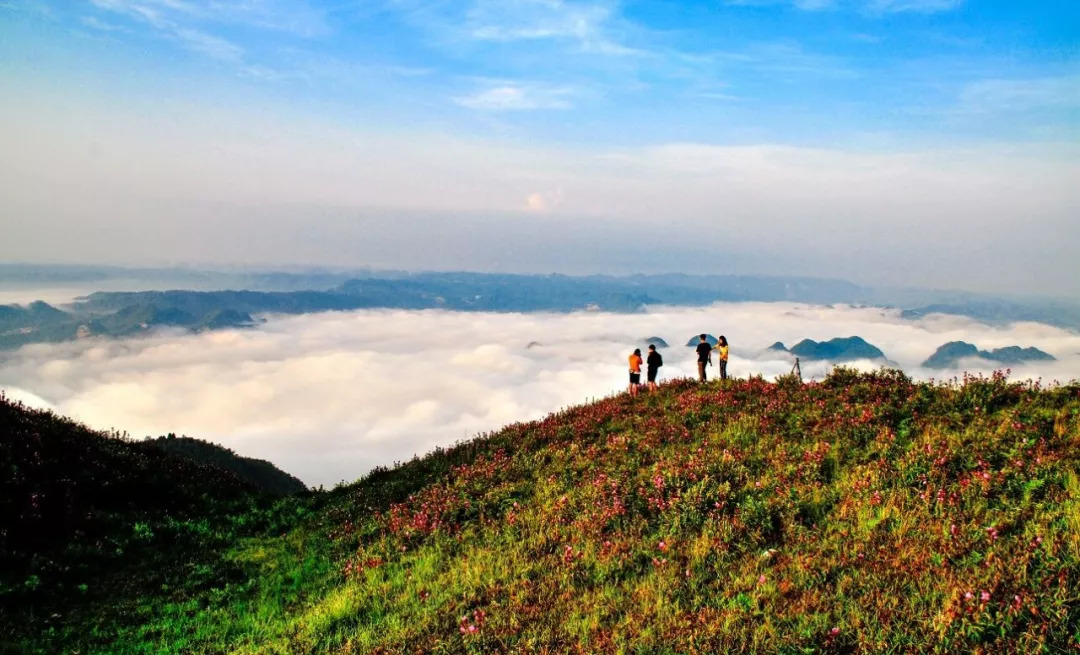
{"x": 865, "y": 513}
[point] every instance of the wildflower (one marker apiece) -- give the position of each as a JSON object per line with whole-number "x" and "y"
{"x": 984, "y": 596}
{"x": 662, "y": 545}
{"x": 761, "y": 579}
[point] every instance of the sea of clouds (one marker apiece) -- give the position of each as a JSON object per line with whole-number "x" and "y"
{"x": 329, "y": 396}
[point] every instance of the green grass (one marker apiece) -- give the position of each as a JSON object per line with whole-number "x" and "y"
{"x": 866, "y": 513}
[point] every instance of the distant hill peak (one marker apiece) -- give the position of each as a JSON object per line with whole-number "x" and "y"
{"x": 839, "y": 349}
{"x": 696, "y": 339}
{"x": 948, "y": 355}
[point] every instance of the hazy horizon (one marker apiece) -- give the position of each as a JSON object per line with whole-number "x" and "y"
{"x": 925, "y": 143}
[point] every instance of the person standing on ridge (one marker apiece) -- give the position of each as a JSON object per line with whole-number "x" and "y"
{"x": 654, "y": 362}
{"x": 722, "y": 347}
{"x": 704, "y": 356}
{"x": 635, "y": 371}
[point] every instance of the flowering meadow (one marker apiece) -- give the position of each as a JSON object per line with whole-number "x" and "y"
{"x": 863, "y": 513}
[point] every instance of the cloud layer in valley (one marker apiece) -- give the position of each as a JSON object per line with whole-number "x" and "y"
{"x": 329, "y": 396}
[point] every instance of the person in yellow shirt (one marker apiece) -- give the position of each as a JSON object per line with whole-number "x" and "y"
{"x": 722, "y": 348}
{"x": 635, "y": 371}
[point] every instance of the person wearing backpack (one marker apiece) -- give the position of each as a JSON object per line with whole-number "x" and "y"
{"x": 653, "y": 363}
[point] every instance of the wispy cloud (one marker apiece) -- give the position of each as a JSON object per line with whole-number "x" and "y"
{"x": 806, "y": 5}
{"x": 783, "y": 59}
{"x": 588, "y": 24}
{"x": 210, "y": 45}
{"x": 516, "y": 97}
{"x": 871, "y": 6}
{"x": 1001, "y": 95}
{"x": 157, "y": 15}
{"x": 96, "y": 23}
{"x": 913, "y": 6}
{"x": 294, "y": 16}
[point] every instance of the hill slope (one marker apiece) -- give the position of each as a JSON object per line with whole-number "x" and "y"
{"x": 90, "y": 519}
{"x": 260, "y": 473}
{"x": 865, "y": 513}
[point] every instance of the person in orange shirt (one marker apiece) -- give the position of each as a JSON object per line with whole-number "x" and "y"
{"x": 635, "y": 371}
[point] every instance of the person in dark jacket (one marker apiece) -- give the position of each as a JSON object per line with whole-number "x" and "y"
{"x": 704, "y": 356}
{"x": 653, "y": 363}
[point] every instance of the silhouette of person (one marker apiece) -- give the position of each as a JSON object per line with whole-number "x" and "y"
{"x": 704, "y": 356}
{"x": 654, "y": 362}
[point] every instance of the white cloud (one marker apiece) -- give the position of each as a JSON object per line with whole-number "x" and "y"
{"x": 209, "y": 45}
{"x": 329, "y": 396}
{"x": 96, "y": 23}
{"x": 805, "y": 5}
{"x": 295, "y": 16}
{"x": 166, "y": 17}
{"x": 515, "y": 97}
{"x": 593, "y": 27}
{"x": 1005, "y": 95}
{"x": 873, "y": 6}
{"x": 913, "y": 6}
{"x": 535, "y": 19}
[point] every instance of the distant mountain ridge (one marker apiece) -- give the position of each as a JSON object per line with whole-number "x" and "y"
{"x": 947, "y": 355}
{"x": 125, "y": 313}
{"x": 840, "y": 349}
{"x": 115, "y": 314}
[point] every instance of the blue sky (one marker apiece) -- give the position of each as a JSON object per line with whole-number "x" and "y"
{"x": 744, "y": 71}
{"x": 601, "y": 114}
